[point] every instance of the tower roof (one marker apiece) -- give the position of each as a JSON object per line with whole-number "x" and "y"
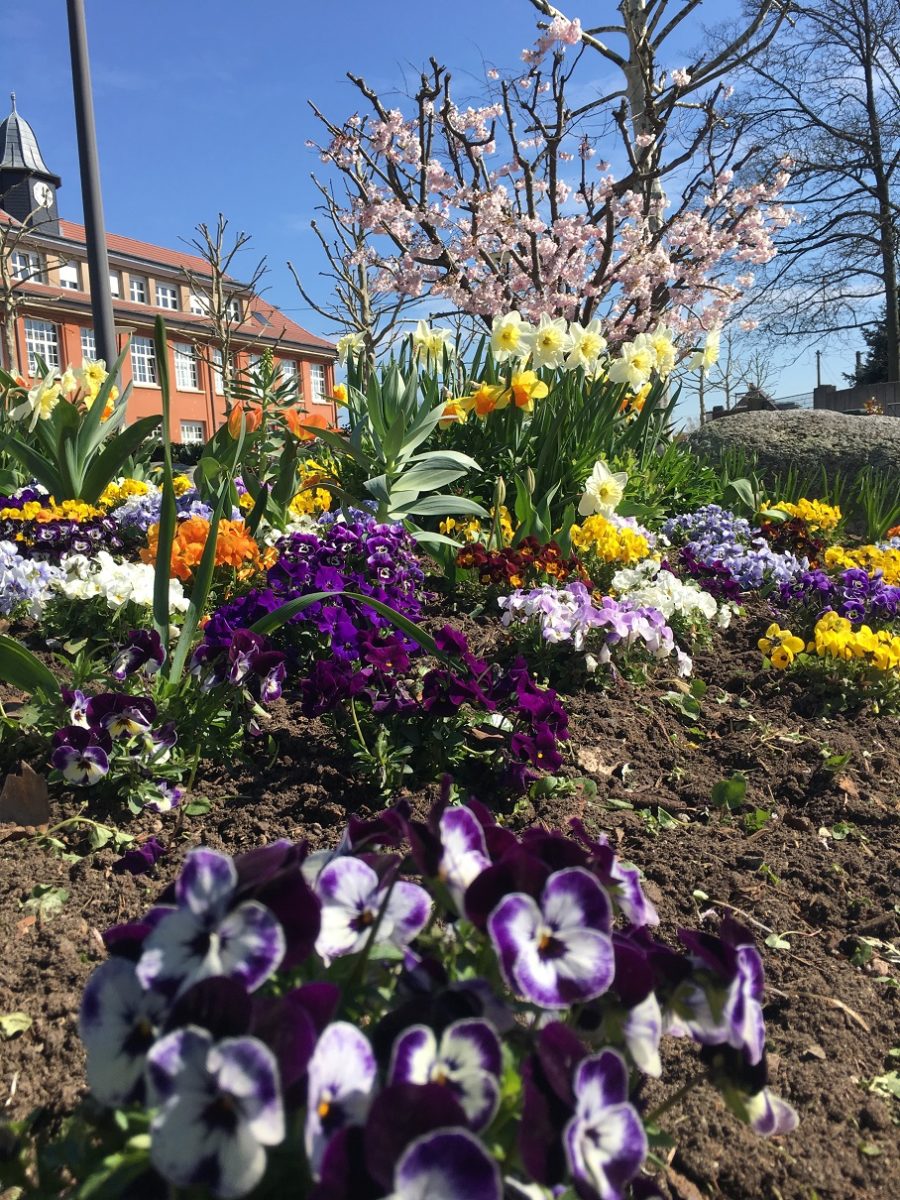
{"x": 19, "y": 149}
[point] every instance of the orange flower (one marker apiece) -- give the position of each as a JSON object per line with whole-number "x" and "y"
{"x": 297, "y": 421}
{"x": 454, "y": 414}
{"x": 252, "y": 416}
{"x": 235, "y": 548}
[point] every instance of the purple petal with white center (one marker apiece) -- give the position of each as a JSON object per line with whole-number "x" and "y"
{"x": 605, "y": 1141}
{"x": 248, "y": 945}
{"x": 206, "y": 882}
{"x": 118, "y": 1023}
{"x": 743, "y": 1010}
{"x": 467, "y": 1061}
{"x": 84, "y": 767}
{"x": 353, "y": 900}
{"x": 446, "y": 1165}
{"x": 560, "y": 952}
{"x": 464, "y": 854}
{"x": 221, "y": 1106}
{"x": 342, "y": 1074}
{"x": 769, "y": 1115}
{"x": 407, "y": 913}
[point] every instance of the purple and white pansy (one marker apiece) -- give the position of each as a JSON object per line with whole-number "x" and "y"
{"x": 81, "y": 755}
{"x": 605, "y": 1140}
{"x": 463, "y": 851}
{"x": 446, "y": 1165}
{"x": 354, "y": 899}
{"x": 219, "y": 1108}
{"x": 204, "y": 936}
{"x": 467, "y": 1060}
{"x": 559, "y": 952}
{"x": 342, "y": 1076}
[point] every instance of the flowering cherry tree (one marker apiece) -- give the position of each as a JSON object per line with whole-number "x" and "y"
{"x": 510, "y": 204}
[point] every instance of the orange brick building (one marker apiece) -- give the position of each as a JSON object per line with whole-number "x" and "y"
{"x": 54, "y": 320}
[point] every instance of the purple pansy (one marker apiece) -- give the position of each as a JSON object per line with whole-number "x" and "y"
{"x": 463, "y": 851}
{"x": 221, "y": 1107}
{"x": 205, "y": 936}
{"x": 77, "y": 704}
{"x": 143, "y": 651}
{"x": 140, "y": 859}
{"x": 170, "y": 796}
{"x": 81, "y": 755}
{"x": 118, "y": 1023}
{"x": 467, "y": 1060}
{"x": 446, "y": 1165}
{"x": 605, "y": 1140}
{"x": 341, "y": 1080}
{"x": 558, "y": 952}
{"x": 353, "y": 899}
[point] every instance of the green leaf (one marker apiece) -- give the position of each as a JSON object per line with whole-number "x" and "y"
{"x": 200, "y": 590}
{"x": 19, "y": 667}
{"x": 168, "y": 513}
{"x": 438, "y": 506}
{"x": 198, "y": 807}
{"x": 775, "y": 941}
{"x": 45, "y": 900}
{"x": 108, "y": 463}
{"x": 279, "y": 616}
{"x": 730, "y": 793}
{"x": 37, "y": 466}
{"x": 93, "y": 430}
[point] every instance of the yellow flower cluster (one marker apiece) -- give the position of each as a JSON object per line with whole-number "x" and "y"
{"x": 599, "y": 537}
{"x": 68, "y": 510}
{"x": 117, "y": 493}
{"x": 835, "y": 637}
{"x": 780, "y": 646}
{"x": 472, "y": 531}
{"x": 817, "y": 515}
{"x": 181, "y": 484}
{"x": 870, "y": 558}
{"x": 311, "y": 500}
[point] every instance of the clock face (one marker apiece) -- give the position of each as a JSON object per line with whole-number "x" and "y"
{"x": 43, "y": 195}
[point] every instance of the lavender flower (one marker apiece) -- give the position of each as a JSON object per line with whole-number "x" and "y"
{"x": 25, "y": 583}
{"x": 716, "y": 537}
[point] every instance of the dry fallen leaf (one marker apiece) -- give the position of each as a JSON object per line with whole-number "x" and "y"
{"x": 24, "y": 799}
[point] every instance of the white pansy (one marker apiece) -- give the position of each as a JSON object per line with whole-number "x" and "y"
{"x": 116, "y": 582}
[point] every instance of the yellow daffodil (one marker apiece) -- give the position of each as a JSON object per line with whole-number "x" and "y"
{"x": 42, "y": 399}
{"x": 709, "y": 355}
{"x": 454, "y": 414}
{"x": 339, "y": 393}
{"x": 525, "y": 388}
{"x": 485, "y": 398}
{"x": 429, "y": 344}
{"x": 663, "y": 345}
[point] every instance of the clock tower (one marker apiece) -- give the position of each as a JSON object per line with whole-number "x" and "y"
{"x": 27, "y": 186}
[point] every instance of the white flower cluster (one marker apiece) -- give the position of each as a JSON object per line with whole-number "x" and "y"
{"x": 117, "y": 582}
{"x": 24, "y": 582}
{"x": 647, "y": 585}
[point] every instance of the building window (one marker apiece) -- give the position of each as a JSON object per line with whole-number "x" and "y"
{"x": 115, "y": 284}
{"x": 317, "y": 380}
{"x": 217, "y": 372}
{"x": 186, "y": 378}
{"x": 166, "y": 296}
{"x": 199, "y": 304}
{"x": 287, "y": 369}
{"x": 70, "y": 276}
{"x": 41, "y": 340}
{"x": 233, "y": 309}
{"x": 137, "y": 289}
{"x": 28, "y": 265}
{"x": 88, "y": 346}
{"x": 193, "y": 433}
{"x": 143, "y": 360}
{"x": 253, "y": 361}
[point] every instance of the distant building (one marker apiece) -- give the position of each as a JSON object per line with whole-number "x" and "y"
{"x": 55, "y": 319}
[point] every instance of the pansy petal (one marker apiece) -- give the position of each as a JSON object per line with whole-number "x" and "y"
{"x": 573, "y": 899}
{"x": 188, "y": 1151}
{"x": 408, "y": 910}
{"x": 252, "y": 944}
{"x": 642, "y": 1029}
{"x": 413, "y": 1055}
{"x": 446, "y": 1165}
{"x": 206, "y": 882}
{"x": 246, "y": 1069}
{"x": 470, "y": 1046}
{"x": 513, "y": 925}
{"x": 602, "y": 1080}
{"x": 605, "y": 1154}
{"x": 341, "y": 1076}
{"x": 118, "y": 1023}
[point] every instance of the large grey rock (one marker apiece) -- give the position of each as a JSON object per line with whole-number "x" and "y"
{"x": 807, "y": 439}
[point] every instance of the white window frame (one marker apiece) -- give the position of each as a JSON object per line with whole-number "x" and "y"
{"x": 167, "y": 296}
{"x": 88, "y": 344}
{"x": 216, "y": 366}
{"x": 187, "y": 377}
{"x": 318, "y": 383}
{"x": 233, "y": 308}
{"x": 41, "y": 338}
{"x": 115, "y": 285}
{"x": 253, "y": 361}
{"x": 70, "y": 275}
{"x": 28, "y": 266}
{"x": 197, "y": 431}
{"x": 288, "y": 368}
{"x": 137, "y": 289}
{"x": 199, "y": 304}
{"x": 143, "y": 362}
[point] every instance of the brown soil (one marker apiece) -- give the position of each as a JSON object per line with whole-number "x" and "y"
{"x": 831, "y": 1023}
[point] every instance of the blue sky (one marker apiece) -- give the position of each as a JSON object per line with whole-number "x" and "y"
{"x": 201, "y": 107}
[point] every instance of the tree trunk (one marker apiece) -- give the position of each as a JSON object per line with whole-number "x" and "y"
{"x": 9, "y": 343}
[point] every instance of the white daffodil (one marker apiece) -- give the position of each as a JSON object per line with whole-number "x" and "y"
{"x": 509, "y": 334}
{"x": 603, "y": 491}
{"x": 549, "y": 343}
{"x": 635, "y": 363}
{"x": 349, "y": 346}
{"x": 588, "y": 343}
{"x": 664, "y": 348}
{"x": 709, "y": 355}
{"x": 40, "y": 402}
{"x": 429, "y": 344}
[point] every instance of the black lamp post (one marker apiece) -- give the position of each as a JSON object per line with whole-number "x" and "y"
{"x": 94, "y": 228}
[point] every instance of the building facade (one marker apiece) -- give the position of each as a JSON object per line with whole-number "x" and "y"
{"x": 52, "y": 318}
